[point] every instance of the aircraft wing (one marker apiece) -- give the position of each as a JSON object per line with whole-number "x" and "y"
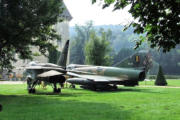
{"x": 50, "y": 73}
{"x": 80, "y": 72}
{"x": 93, "y": 78}
{"x": 44, "y": 68}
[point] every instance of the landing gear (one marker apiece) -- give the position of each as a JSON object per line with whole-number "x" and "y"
{"x": 94, "y": 88}
{"x": 114, "y": 87}
{"x": 54, "y": 80}
{"x": 57, "y": 80}
{"x": 56, "y": 90}
{"x": 32, "y": 90}
{"x": 72, "y": 86}
{"x": 31, "y": 86}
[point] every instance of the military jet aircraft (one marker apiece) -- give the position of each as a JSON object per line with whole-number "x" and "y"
{"x": 128, "y": 73}
{"x": 47, "y": 72}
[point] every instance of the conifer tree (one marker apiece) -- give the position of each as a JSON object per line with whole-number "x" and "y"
{"x": 160, "y": 80}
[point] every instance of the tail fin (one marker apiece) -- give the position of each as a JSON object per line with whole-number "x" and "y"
{"x": 63, "y": 57}
{"x": 139, "y": 60}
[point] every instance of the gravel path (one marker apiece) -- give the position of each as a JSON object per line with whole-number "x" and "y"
{"x": 12, "y": 82}
{"x": 23, "y": 82}
{"x": 158, "y": 86}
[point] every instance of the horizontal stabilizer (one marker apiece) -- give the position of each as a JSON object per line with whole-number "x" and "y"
{"x": 44, "y": 68}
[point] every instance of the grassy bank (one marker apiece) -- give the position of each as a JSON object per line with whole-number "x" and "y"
{"x": 76, "y": 104}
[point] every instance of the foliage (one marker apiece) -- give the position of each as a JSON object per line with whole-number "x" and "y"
{"x": 160, "y": 80}
{"x": 169, "y": 60}
{"x": 54, "y": 55}
{"x": 97, "y": 49}
{"x": 122, "y": 54}
{"x": 77, "y": 52}
{"x": 78, "y": 42}
{"x": 122, "y": 45}
{"x": 27, "y": 23}
{"x": 154, "y": 68}
{"x": 159, "y": 19}
{"x": 166, "y": 76}
{"x": 115, "y": 36}
{"x": 118, "y": 39}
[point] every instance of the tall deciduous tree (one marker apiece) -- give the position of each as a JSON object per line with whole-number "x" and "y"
{"x": 159, "y": 19}
{"x": 97, "y": 49}
{"x": 27, "y": 23}
{"x": 77, "y": 46}
{"x": 122, "y": 54}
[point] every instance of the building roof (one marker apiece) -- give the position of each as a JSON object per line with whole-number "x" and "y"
{"x": 66, "y": 14}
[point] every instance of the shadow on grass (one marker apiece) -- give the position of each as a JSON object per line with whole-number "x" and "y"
{"x": 54, "y": 94}
{"x": 64, "y": 93}
{"x": 131, "y": 89}
{"x": 124, "y": 89}
{"x": 28, "y": 107}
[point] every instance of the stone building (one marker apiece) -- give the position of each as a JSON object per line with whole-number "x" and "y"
{"x": 62, "y": 29}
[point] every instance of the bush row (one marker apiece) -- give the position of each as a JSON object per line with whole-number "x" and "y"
{"x": 166, "y": 76}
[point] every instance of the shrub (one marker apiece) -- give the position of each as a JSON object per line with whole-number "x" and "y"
{"x": 160, "y": 80}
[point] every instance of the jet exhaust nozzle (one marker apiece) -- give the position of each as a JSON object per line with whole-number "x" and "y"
{"x": 142, "y": 76}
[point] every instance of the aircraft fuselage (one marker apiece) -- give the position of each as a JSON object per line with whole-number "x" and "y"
{"x": 122, "y": 73}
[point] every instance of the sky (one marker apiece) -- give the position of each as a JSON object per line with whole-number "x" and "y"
{"x": 83, "y": 11}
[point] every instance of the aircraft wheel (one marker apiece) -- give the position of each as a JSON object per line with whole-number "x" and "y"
{"x": 54, "y": 90}
{"x": 33, "y": 90}
{"x": 72, "y": 86}
{"x": 29, "y": 90}
{"x": 115, "y": 87}
{"x": 94, "y": 88}
{"x": 1, "y": 107}
{"x": 59, "y": 90}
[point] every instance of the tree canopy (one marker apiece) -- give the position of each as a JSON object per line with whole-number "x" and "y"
{"x": 78, "y": 42}
{"x": 159, "y": 19}
{"x": 97, "y": 49}
{"x": 27, "y": 23}
{"x": 54, "y": 55}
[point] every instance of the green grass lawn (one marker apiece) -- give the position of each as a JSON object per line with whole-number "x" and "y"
{"x": 128, "y": 103}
